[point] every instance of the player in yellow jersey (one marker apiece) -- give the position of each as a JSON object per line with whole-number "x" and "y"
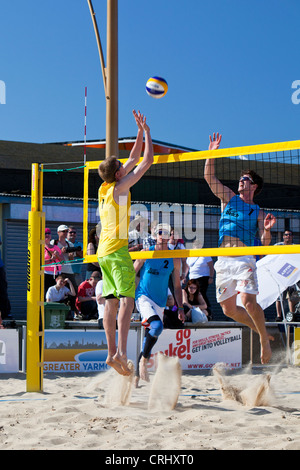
{"x": 113, "y": 256}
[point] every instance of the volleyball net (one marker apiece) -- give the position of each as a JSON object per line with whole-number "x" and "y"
{"x": 174, "y": 192}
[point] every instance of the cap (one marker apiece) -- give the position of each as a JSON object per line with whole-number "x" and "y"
{"x": 164, "y": 227}
{"x": 47, "y": 230}
{"x": 61, "y": 228}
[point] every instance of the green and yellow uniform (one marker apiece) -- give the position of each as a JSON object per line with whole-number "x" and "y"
{"x": 113, "y": 256}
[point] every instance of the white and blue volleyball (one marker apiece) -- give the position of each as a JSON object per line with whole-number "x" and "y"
{"x": 156, "y": 87}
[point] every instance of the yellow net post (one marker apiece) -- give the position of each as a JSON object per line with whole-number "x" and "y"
{"x": 35, "y": 285}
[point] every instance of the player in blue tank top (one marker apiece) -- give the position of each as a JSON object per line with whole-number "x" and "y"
{"x": 242, "y": 223}
{"x": 154, "y": 279}
{"x": 239, "y": 220}
{"x": 151, "y": 295}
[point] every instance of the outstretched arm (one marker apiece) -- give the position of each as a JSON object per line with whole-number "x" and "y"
{"x": 136, "y": 151}
{"x": 218, "y": 188}
{"x": 130, "y": 179}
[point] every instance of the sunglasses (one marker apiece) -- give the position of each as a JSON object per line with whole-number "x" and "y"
{"x": 163, "y": 232}
{"x": 120, "y": 164}
{"x": 287, "y": 235}
{"x": 72, "y": 231}
{"x": 47, "y": 234}
{"x": 247, "y": 178}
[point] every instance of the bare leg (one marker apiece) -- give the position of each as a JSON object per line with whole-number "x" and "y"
{"x": 125, "y": 311}
{"x": 237, "y": 313}
{"x": 109, "y": 323}
{"x": 292, "y": 306}
{"x": 252, "y": 316}
{"x": 257, "y": 314}
{"x": 278, "y": 309}
{"x": 143, "y": 369}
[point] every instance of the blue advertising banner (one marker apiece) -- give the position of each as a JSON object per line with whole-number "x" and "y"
{"x": 80, "y": 350}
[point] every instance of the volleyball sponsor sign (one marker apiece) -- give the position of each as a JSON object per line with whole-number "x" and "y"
{"x": 86, "y": 351}
{"x": 80, "y": 350}
{"x": 201, "y": 348}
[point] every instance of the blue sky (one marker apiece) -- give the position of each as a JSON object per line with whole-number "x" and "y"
{"x": 230, "y": 65}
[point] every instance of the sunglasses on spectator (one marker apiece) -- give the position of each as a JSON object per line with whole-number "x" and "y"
{"x": 247, "y": 178}
{"x": 163, "y": 232}
{"x": 287, "y": 234}
{"x": 72, "y": 231}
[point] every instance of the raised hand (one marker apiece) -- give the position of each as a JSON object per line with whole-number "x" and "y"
{"x": 140, "y": 120}
{"x": 215, "y": 141}
{"x": 145, "y": 125}
{"x": 269, "y": 221}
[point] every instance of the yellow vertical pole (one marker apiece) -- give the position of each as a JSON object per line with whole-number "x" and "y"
{"x": 35, "y": 285}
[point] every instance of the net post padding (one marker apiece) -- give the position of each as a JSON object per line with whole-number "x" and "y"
{"x": 35, "y": 286}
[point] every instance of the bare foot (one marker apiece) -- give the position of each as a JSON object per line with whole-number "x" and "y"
{"x": 115, "y": 365}
{"x": 122, "y": 361}
{"x": 266, "y": 353}
{"x": 143, "y": 369}
{"x": 136, "y": 381}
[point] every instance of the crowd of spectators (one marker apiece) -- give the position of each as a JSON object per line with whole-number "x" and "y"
{"x": 66, "y": 281}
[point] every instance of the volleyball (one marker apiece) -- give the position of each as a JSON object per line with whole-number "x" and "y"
{"x": 156, "y": 87}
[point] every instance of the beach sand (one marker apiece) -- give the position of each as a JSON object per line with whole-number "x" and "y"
{"x": 77, "y": 412}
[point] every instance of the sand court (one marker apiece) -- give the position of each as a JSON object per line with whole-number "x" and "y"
{"x": 75, "y": 412}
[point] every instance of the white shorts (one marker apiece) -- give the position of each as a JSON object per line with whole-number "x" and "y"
{"x": 147, "y": 308}
{"x": 234, "y": 275}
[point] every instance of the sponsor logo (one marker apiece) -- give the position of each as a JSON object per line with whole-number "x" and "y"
{"x": 287, "y": 270}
